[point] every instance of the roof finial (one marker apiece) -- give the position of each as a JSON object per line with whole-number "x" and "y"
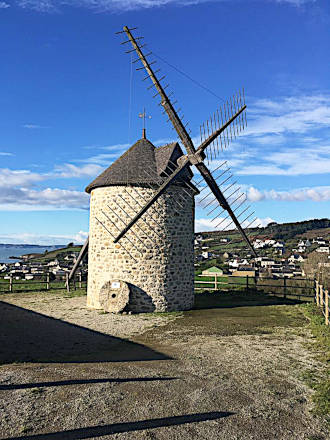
{"x": 144, "y": 116}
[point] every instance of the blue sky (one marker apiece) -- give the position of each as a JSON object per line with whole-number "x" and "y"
{"x": 66, "y": 88}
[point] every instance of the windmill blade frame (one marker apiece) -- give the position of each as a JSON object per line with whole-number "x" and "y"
{"x": 232, "y": 113}
{"x": 194, "y": 157}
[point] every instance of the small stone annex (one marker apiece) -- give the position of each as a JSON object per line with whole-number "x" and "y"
{"x": 151, "y": 268}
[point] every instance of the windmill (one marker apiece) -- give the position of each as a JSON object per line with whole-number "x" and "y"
{"x": 137, "y": 214}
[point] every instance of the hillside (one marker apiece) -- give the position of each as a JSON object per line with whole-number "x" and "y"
{"x": 57, "y": 253}
{"x": 288, "y": 233}
{"x": 280, "y": 231}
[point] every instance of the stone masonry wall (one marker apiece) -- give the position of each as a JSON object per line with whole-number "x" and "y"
{"x": 160, "y": 270}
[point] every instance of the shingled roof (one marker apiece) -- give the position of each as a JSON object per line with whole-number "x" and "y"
{"x": 142, "y": 163}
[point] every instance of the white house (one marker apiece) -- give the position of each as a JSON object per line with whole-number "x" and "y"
{"x": 296, "y": 258}
{"x": 267, "y": 263}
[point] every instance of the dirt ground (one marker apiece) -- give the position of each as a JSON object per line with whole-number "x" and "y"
{"x": 226, "y": 372}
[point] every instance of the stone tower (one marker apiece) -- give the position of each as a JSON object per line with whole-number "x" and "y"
{"x": 151, "y": 269}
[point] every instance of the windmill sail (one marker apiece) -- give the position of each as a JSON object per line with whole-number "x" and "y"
{"x": 194, "y": 156}
{"x": 216, "y": 134}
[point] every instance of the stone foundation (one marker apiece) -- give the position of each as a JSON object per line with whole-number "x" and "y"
{"x": 157, "y": 263}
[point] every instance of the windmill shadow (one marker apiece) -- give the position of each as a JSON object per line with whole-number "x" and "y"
{"x": 27, "y": 336}
{"x": 61, "y": 383}
{"x": 115, "y": 428}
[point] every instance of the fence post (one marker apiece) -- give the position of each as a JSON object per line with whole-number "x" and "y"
{"x": 247, "y": 283}
{"x": 47, "y": 281}
{"x": 326, "y": 293}
{"x": 284, "y": 287}
{"x": 321, "y": 296}
{"x": 10, "y": 283}
{"x": 317, "y": 293}
{"x": 79, "y": 279}
{"x": 67, "y": 282}
{"x": 314, "y": 288}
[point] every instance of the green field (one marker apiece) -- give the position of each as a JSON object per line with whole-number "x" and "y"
{"x": 57, "y": 253}
{"x": 34, "y": 285}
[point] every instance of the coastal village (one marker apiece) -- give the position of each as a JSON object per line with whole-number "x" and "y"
{"x": 37, "y": 266}
{"x": 276, "y": 259}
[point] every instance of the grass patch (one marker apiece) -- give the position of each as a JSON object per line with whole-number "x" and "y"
{"x": 236, "y": 298}
{"x": 319, "y": 381}
{"x": 45, "y": 294}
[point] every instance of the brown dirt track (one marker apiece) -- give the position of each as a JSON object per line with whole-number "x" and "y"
{"x": 225, "y": 372}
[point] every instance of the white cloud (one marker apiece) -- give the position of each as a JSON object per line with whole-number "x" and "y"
{"x": 296, "y": 2}
{"x": 316, "y": 194}
{"x": 290, "y": 162}
{"x": 49, "y": 198}
{"x": 14, "y": 178}
{"x": 104, "y": 5}
{"x": 33, "y": 126}
{"x": 206, "y": 224}
{"x": 69, "y": 170}
{"x": 4, "y": 153}
{"x": 103, "y": 159}
{"x": 126, "y": 5}
{"x": 17, "y": 190}
{"x": 4, "y": 5}
{"x": 288, "y": 114}
{"x": 51, "y": 239}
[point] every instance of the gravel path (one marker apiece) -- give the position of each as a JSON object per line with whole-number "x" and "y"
{"x": 229, "y": 374}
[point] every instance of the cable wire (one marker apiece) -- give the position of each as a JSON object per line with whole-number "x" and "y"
{"x": 189, "y": 77}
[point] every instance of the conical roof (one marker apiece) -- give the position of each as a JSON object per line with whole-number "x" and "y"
{"x": 142, "y": 163}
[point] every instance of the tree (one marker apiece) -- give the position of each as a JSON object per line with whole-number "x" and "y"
{"x": 69, "y": 245}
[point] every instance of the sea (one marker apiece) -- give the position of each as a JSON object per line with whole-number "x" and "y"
{"x": 9, "y": 250}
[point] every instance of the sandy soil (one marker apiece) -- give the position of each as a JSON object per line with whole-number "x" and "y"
{"x": 74, "y": 311}
{"x": 229, "y": 374}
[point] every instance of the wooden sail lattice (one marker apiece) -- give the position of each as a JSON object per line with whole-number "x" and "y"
{"x": 216, "y": 133}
